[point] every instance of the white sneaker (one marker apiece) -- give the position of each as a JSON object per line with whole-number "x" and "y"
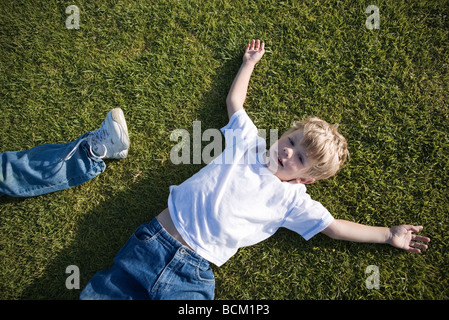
{"x": 111, "y": 141}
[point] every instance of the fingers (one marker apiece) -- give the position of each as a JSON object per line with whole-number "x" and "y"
{"x": 418, "y": 246}
{"x": 417, "y": 237}
{"x": 248, "y": 47}
{"x": 253, "y": 42}
{"x": 420, "y": 238}
{"x": 414, "y": 250}
{"x": 255, "y": 45}
{"x": 414, "y": 228}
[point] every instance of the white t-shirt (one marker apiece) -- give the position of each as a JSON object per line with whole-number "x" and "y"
{"x": 235, "y": 201}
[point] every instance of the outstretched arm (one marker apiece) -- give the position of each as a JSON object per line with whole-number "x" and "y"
{"x": 237, "y": 94}
{"x": 401, "y": 237}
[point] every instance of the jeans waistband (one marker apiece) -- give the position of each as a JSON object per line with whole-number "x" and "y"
{"x": 169, "y": 241}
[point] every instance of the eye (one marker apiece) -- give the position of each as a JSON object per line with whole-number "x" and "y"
{"x": 291, "y": 141}
{"x": 299, "y": 155}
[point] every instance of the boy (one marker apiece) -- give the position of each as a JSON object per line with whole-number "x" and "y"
{"x": 231, "y": 204}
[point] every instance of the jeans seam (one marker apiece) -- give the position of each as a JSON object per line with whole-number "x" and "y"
{"x": 77, "y": 180}
{"x": 167, "y": 269}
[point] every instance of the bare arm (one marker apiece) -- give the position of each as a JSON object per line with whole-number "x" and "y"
{"x": 400, "y": 237}
{"x": 237, "y": 94}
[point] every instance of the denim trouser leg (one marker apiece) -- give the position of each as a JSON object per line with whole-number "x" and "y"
{"x": 43, "y": 169}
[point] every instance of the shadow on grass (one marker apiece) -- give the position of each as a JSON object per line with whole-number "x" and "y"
{"x": 100, "y": 234}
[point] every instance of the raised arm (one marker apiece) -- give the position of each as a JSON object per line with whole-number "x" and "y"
{"x": 401, "y": 237}
{"x": 237, "y": 94}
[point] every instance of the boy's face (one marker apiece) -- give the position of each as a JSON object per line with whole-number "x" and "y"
{"x": 288, "y": 160}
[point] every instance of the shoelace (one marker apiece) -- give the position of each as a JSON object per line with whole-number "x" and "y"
{"x": 92, "y": 137}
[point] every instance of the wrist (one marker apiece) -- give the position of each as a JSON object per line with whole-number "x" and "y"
{"x": 248, "y": 64}
{"x": 388, "y": 236}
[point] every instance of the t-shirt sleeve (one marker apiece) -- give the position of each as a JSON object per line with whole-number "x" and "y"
{"x": 239, "y": 127}
{"x": 308, "y": 218}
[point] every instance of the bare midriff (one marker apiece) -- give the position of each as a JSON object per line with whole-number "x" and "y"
{"x": 165, "y": 220}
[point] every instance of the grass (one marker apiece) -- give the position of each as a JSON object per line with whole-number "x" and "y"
{"x": 169, "y": 63}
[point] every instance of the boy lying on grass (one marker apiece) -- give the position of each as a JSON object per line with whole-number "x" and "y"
{"x": 231, "y": 204}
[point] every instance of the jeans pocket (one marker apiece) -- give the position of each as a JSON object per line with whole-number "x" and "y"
{"x": 205, "y": 273}
{"x": 143, "y": 233}
{"x": 139, "y": 252}
{"x": 138, "y": 245}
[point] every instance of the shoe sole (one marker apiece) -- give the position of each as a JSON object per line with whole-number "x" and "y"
{"x": 118, "y": 116}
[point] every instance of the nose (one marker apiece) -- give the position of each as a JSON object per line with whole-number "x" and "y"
{"x": 288, "y": 152}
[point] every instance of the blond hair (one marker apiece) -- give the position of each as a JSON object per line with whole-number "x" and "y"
{"x": 324, "y": 145}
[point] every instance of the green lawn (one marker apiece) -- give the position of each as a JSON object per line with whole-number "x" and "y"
{"x": 168, "y": 63}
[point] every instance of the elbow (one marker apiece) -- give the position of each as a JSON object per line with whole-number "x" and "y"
{"x": 331, "y": 235}
{"x": 228, "y": 100}
{"x": 233, "y": 106}
{"x": 332, "y": 231}
{"x": 232, "y": 101}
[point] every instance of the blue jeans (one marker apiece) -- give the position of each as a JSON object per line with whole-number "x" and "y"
{"x": 44, "y": 169}
{"x": 153, "y": 265}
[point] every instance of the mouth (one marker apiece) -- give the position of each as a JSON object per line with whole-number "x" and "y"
{"x": 280, "y": 162}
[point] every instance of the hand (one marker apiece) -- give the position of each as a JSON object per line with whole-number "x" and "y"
{"x": 254, "y": 51}
{"x": 402, "y": 237}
